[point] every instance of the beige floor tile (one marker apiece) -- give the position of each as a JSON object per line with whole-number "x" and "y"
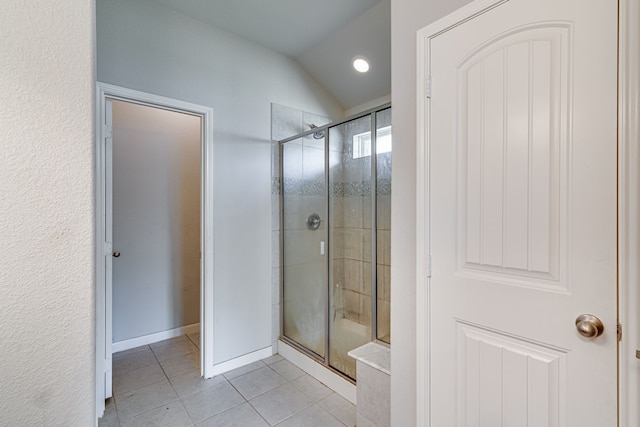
{"x": 137, "y": 378}
{"x": 313, "y": 388}
{"x": 110, "y": 417}
{"x": 364, "y": 422}
{"x": 280, "y": 403}
{"x": 280, "y": 393}
{"x": 133, "y": 361}
{"x": 313, "y": 416}
{"x": 244, "y": 369}
{"x": 173, "y": 340}
{"x": 181, "y": 364}
{"x": 109, "y": 422}
{"x": 172, "y": 414}
{"x": 239, "y": 416}
{"x": 340, "y": 408}
{"x": 192, "y": 381}
{"x": 129, "y": 352}
{"x": 257, "y": 382}
{"x": 212, "y": 401}
{"x": 287, "y": 370}
{"x": 273, "y": 359}
{"x": 170, "y": 351}
{"x": 195, "y": 338}
{"x": 144, "y": 399}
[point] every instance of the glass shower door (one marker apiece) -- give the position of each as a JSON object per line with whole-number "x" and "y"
{"x": 304, "y": 213}
{"x": 350, "y": 237}
{"x": 383, "y": 224}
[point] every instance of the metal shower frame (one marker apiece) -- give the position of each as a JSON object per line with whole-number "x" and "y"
{"x": 372, "y": 113}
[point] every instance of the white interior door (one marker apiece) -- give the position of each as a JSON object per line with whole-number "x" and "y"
{"x": 519, "y": 213}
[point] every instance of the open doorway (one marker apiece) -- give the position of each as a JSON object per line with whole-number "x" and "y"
{"x": 156, "y": 224}
{"x": 154, "y": 229}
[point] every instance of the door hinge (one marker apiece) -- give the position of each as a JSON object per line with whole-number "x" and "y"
{"x": 428, "y": 87}
{"x": 428, "y": 265}
{"x": 619, "y": 332}
{"x": 108, "y": 132}
{"x": 107, "y": 248}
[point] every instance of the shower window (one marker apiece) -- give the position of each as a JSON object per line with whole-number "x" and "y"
{"x": 362, "y": 142}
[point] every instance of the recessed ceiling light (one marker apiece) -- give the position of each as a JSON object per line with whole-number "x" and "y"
{"x": 361, "y": 64}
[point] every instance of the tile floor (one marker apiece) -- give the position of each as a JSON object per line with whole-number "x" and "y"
{"x": 160, "y": 385}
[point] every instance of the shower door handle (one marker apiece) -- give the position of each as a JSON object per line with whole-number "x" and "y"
{"x": 313, "y": 221}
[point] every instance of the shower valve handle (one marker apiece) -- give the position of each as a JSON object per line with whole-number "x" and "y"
{"x": 313, "y": 221}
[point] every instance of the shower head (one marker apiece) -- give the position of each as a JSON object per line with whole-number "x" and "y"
{"x": 317, "y": 135}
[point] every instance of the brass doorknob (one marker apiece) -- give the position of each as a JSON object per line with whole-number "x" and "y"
{"x": 589, "y": 326}
{"x": 116, "y": 254}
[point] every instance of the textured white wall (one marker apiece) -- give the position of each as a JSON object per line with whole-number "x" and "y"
{"x": 150, "y": 48}
{"x": 156, "y": 220}
{"x": 47, "y": 347}
{"x": 407, "y": 16}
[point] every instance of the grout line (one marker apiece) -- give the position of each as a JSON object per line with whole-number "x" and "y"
{"x": 257, "y": 412}
{"x": 247, "y": 401}
{"x": 197, "y": 344}
{"x": 295, "y": 413}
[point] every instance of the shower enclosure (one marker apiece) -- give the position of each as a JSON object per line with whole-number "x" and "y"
{"x": 335, "y": 238}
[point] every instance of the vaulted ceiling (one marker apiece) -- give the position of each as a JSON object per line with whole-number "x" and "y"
{"x": 322, "y": 35}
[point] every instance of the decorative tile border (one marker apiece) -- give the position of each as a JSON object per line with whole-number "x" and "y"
{"x": 384, "y": 187}
{"x": 302, "y": 187}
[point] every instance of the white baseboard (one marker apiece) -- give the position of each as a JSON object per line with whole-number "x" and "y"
{"x": 238, "y": 362}
{"x": 152, "y": 338}
{"x": 332, "y": 380}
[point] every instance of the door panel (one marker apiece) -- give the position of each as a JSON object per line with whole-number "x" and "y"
{"x": 521, "y": 133}
{"x": 512, "y": 136}
{"x": 507, "y": 380}
{"x": 304, "y": 269}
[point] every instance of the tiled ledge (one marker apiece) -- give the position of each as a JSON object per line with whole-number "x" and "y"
{"x": 375, "y": 355}
{"x": 373, "y": 379}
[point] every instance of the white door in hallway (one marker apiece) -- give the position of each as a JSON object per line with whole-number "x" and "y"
{"x": 517, "y": 214}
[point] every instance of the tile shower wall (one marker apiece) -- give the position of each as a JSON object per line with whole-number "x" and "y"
{"x": 307, "y": 191}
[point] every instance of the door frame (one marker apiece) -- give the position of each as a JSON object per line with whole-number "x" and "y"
{"x": 628, "y": 206}
{"x": 106, "y": 91}
{"x": 628, "y": 211}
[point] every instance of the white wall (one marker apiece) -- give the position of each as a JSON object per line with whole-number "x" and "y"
{"x": 156, "y": 220}
{"x": 47, "y": 349}
{"x": 146, "y": 47}
{"x": 407, "y": 16}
